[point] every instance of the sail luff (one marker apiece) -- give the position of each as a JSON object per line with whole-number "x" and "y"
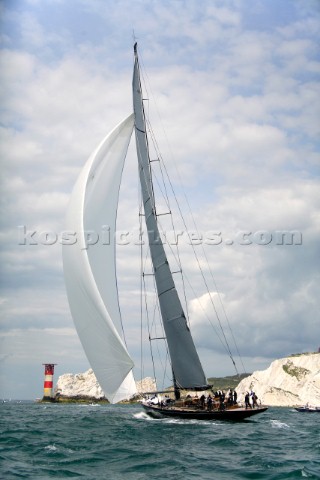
{"x": 186, "y": 366}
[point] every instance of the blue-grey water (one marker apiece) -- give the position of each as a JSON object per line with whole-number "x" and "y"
{"x": 119, "y": 442}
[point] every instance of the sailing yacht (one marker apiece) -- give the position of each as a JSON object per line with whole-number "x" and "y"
{"x": 91, "y": 280}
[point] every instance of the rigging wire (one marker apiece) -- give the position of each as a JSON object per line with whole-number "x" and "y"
{"x": 216, "y": 287}
{"x": 197, "y": 259}
{"x": 144, "y": 76}
{"x": 143, "y": 274}
{"x": 203, "y": 276}
{"x": 153, "y": 325}
{"x": 164, "y": 192}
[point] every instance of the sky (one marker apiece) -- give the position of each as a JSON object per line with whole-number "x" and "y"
{"x": 235, "y": 85}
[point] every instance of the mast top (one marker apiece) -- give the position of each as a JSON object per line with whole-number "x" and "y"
{"x": 135, "y": 46}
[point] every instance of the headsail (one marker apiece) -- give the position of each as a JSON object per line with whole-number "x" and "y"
{"x": 186, "y": 366}
{"x": 90, "y": 271}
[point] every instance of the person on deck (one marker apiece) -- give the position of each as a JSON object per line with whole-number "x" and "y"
{"x": 222, "y": 399}
{"x": 235, "y": 397}
{"x": 247, "y": 401}
{"x": 254, "y": 400}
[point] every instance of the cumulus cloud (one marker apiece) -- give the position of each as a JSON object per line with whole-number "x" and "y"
{"x": 236, "y": 88}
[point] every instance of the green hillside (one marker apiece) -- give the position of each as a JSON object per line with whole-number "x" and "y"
{"x": 225, "y": 383}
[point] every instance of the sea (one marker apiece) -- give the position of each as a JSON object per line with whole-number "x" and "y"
{"x": 120, "y": 442}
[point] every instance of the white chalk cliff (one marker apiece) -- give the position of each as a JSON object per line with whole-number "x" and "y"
{"x": 289, "y": 381}
{"x": 85, "y": 385}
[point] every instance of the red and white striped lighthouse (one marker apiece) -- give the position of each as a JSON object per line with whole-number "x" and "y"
{"x": 48, "y": 380}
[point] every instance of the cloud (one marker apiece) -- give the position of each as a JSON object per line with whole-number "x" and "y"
{"x": 237, "y": 90}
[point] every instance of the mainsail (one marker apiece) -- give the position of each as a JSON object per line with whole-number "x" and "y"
{"x": 90, "y": 270}
{"x": 186, "y": 366}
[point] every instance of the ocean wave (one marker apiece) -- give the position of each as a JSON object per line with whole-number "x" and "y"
{"x": 278, "y": 424}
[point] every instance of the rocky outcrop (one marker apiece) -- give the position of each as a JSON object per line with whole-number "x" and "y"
{"x": 85, "y": 386}
{"x": 289, "y": 381}
{"x": 146, "y": 385}
{"x": 79, "y": 385}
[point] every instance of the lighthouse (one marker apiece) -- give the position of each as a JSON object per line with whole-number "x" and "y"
{"x": 48, "y": 380}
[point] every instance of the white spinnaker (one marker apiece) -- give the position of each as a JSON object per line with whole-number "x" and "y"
{"x": 90, "y": 269}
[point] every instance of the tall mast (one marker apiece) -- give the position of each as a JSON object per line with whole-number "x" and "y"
{"x": 186, "y": 366}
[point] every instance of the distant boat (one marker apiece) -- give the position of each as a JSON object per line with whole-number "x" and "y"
{"x": 308, "y": 408}
{"x": 91, "y": 282}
